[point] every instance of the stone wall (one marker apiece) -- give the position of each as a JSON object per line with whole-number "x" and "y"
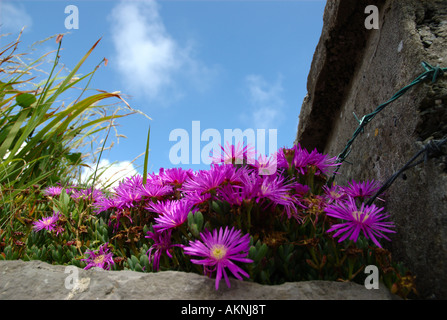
{"x": 355, "y": 70}
{"x": 20, "y": 280}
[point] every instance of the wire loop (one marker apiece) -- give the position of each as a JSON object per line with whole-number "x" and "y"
{"x": 430, "y": 72}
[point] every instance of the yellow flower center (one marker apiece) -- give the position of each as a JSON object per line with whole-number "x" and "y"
{"x": 99, "y": 259}
{"x": 264, "y": 189}
{"x": 218, "y": 252}
{"x": 357, "y": 215}
{"x": 335, "y": 194}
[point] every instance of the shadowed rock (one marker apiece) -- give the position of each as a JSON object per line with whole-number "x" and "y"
{"x": 354, "y": 70}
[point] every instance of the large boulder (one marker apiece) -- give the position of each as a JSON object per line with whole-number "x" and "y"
{"x": 355, "y": 70}
{"x": 39, "y": 280}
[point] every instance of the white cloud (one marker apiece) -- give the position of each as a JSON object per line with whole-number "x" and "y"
{"x": 109, "y": 173}
{"x": 13, "y": 18}
{"x": 266, "y": 101}
{"x": 147, "y": 57}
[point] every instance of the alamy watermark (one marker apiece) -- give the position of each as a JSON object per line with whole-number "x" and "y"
{"x": 72, "y": 20}
{"x": 372, "y": 20}
{"x": 188, "y": 147}
{"x": 74, "y": 284}
{"x": 372, "y": 281}
{"x": 72, "y": 280}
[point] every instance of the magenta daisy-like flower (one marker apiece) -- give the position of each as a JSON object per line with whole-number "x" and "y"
{"x": 59, "y": 230}
{"x": 195, "y": 198}
{"x": 335, "y": 193}
{"x": 100, "y": 258}
{"x": 266, "y": 165}
{"x": 232, "y": 154}
{"x": 47, "y": 223}
{"x": 205, "y": 181}
{"x": 104, "y": 204}
{"x": 366, "y": 219}
{"x": 220, "y": 250}
{"x": 52, "y": 191}
{"x": 321, "y": 162}
{"x": 274, "y": 188}
{"x": 162, "y": 244}
{"x": 128, "y": 198}
{"x": 88, "y": 194}
{"x": 116, "y": 219}
{"x": 155, "y": 191}
{"x": 133, "y": 182}
{"x": 237, "y": 195}
{"x": 175, "y": 176}
{"x": 284, "y": 157}
{"x": 362, "y": 190}
{"x": 244, "y": 192}
{"x": 301, "y": 159}
{"x": 171, "y": 213}
{"x": 295, "y": 156}
{"x": 128, "y": 192}
{"x": 231, "y": 174}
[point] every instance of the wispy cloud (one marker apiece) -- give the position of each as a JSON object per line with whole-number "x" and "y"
{"x": 13, "y": 17}
{"x": 148, "y": 58}
{"x": 266, "y": 102}
{"x": 109, "y": 173}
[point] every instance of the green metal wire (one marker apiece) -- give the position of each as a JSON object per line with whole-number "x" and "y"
{"x": 431, "y": 150}
{"x": 431, "y": 72}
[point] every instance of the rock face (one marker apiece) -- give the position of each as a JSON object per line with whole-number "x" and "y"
{"x": 354, "y": 71}
{"x": 39, "y": 280}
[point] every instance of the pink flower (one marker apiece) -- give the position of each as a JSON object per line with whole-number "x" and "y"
{"x": 155, "y": 191}
{"x": 172, "y": 213}
{"x": 321, "y": 162}
{"x": 85, "y": 194}
{"x": 53, "y": 191}
{"x": 104, "y": 204}
{"x": 265, "y": 165}
{"x": 162, "y": 244}
{"x": 101, "y": 258}
{"x": 195, "y": 198}
{"x": 175, "y": 176}
{"x": 128, "y": 192}
{"x": 366, "y": 219}
{"x": 301, "y": 160}
{"x": 237, "y": 195}
{"x": 334, "y": 193}
{"x": 205, "y": 181}
{"x": 234, "y": 154}
{"x": 362, "y": 190}
{"x": 47, "y": 223}
{"x": 221, "y": 250}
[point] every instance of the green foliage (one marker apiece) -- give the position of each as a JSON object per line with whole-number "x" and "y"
{"x": 40, "y": 139}
{"x": 37, "y": 135}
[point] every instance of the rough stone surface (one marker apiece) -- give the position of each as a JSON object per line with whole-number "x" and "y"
{"x": 355, "y": 70}
{"x": 39, "y": 280}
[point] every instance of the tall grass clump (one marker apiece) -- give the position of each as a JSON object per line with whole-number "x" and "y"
{"x": 44, "y": 140}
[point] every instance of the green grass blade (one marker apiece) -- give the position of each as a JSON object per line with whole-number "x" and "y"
{"x": 146, "y": 157}
{"x": 12, "y": 134}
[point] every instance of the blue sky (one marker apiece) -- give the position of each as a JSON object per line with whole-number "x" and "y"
{"x": 227, "y": 64}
